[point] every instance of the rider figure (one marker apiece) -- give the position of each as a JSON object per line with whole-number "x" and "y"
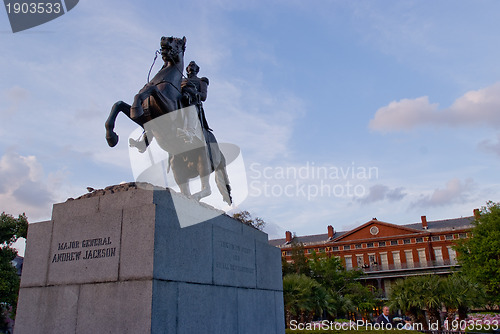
{"x": 194, "y": 92}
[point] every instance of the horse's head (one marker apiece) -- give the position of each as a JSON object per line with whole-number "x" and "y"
{"x": 172, "y": 49}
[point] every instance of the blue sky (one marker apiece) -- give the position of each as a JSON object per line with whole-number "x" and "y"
{"x": 410, "y": 89}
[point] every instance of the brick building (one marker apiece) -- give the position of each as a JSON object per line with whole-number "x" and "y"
{"x": 385, "y": 251}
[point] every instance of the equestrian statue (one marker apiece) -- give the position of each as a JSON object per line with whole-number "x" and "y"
{"x": 169, "y": 108}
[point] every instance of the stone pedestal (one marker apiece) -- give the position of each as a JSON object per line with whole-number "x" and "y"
{"x": 119, "y": 262}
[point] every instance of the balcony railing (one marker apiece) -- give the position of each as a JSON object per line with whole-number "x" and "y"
{"x": 404, "y": 266}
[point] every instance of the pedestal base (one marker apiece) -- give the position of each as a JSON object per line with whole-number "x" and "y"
{"x": 120, "y": 263}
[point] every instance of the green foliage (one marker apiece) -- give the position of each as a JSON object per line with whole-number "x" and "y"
{"x": 299, "y": 264}
{"x": 349, "y": 295}
{"x": 460, "y": 293}
{"x": 10, "y": 230}
{"x": 479, "y": 255}
{"x": 246, "y": 218}
{"x": 303, "y": 297}
{"x": 327, "y": 271}
{"x": 408, "y": 296}
{"x": 417, "y": 294}
{"x": 340, "y": 292}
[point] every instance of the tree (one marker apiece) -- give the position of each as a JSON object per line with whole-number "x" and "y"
{"x": 304, "y": 298}
{"x": 299, "y": 264}
{"x": 246, "y": 218}
{"x": 479, "y": 255}
{"x": 417, "y": 293}
{"x": 460, "y": 293}
{"x": 11, "y": 229}
{"x": 346, "y": 293}
{"x": 405, "y": 295}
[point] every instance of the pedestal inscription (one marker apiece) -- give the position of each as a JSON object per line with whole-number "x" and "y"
{"x": 72, "y": 252}
{"x": 234, "y": 259}
{"x": 85, "y": 249}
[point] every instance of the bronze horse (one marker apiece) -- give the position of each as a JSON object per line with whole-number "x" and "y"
{"x": 160, "y": 110}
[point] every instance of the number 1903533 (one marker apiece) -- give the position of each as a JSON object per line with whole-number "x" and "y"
{"x": 33, "y": 8}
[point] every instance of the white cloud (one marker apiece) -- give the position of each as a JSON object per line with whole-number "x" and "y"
{"x": 381, "y": 192}
{"x": 455, "y": 191}
{"x": 477, "y": 107}
{"x": 403, "y": 115}
{"x": 24, "y": 187}
{"x": 474, "y": 108}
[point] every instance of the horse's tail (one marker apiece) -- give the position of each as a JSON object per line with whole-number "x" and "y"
{"x": 222, "y": 181}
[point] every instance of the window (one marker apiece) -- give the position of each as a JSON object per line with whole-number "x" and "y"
{"x": 384, "y": 261}
{"x": 374, "y": 230}
{"x": 372, "y": 259}
{"x": 322, "y": 250}
{"x": 435, "y": 238}
{"x": 381, "y": 243}
{"x": 406, "y": 241}
{"x": 438, "y": 253}
{"x": 397, "y": 259}
{"x": 348, "y": 262}
{"x": 369, "y": 245}
{"x": 422, "y": 258}
{"x": 359, "y": 260}
{"x": 288, "y": 253}
{"x": 449, "y": 237}
{"x": 409, "y": 258}
{"x": 358, "y": 246}
{"x": 462, "y": 235}
{"x": 347, "y": 247}
{"x": 452, "y": 254}
{"x": 419, "y": 240}
{"x": 309, "y": 251}
{"x": 394, "y": 242}
{"x": 335, "y": 248}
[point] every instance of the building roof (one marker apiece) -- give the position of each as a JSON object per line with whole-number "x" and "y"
{"x": 446, "y": 224}
{"x": 432, "y": 227}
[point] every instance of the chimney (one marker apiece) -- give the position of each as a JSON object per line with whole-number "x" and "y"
{"x": 424, "y": 222}
{"x": 288, "y": 236}
{"x": 331, "y": 232}
{"x": 477, "y": 214}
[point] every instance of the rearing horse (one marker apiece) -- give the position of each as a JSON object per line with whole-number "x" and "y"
{"x": 157, "y": 109}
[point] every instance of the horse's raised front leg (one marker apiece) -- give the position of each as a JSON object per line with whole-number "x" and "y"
{"x": 111, "y": 136}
